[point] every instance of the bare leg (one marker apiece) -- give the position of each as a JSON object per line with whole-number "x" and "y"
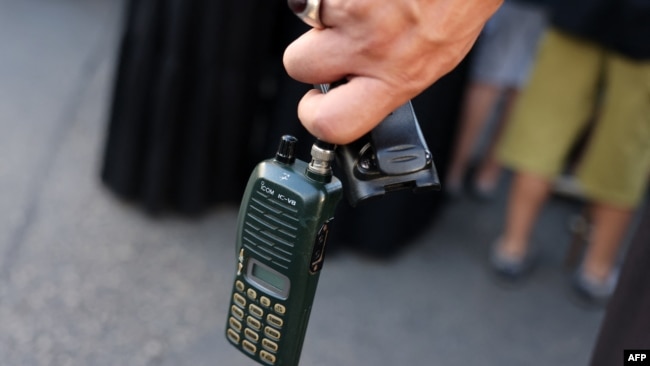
{"x": 528, "y": 194}
{"x": 610, "y": 227}
{"x": 478, "y": 103}
{"x": 490, "y": 170}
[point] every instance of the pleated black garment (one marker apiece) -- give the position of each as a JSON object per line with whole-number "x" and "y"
{"x": 186, "y": 100}
{"x": 201, "y": 96}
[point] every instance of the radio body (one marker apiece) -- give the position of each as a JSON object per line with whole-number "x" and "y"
{"x": 281, "y": 236}
{"x": 284, "y": 221}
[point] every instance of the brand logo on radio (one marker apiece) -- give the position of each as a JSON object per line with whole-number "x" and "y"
{"x": 266, "y": 189}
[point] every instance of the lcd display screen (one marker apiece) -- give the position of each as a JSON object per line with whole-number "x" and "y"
{"x": 268, "y": 278}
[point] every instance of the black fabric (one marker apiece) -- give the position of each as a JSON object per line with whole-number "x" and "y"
{"x": 185, "y": 101}
{"x": 620, "y": 25}
{"x": 201, "y": 96}
{"x": 627, "y": 321}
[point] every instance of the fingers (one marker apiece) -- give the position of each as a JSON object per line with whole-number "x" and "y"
{"x": 348, "y": 111}
{"x": 388, "y": 50}
{"x": 329, "y": 54}
{"x": 317, "y": 57}
{"x": 345, "y": 49}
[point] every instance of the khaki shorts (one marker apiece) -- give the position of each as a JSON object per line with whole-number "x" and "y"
{"x": 556, "y": 107}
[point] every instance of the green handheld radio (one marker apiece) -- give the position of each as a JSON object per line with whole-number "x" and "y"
{"x": 283, "y": 225}
{"x": 281, "y": 235}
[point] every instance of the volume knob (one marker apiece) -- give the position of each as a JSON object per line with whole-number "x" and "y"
{"x": 286, "y": 150}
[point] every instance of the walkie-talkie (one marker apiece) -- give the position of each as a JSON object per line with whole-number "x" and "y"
{"x": 281, "y": 235}
{"x": 284, "y": 221}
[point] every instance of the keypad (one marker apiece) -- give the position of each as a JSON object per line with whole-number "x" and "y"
{"x": 249, "y": 347}
{"x": 255, "y": 323}
{"x": 256, "y": 311}
{"x": 239, "y": 300}
{"x": 265, "y": 301}
{"x": 280, "y": 309}
{"x": 270, "y": 345}
{"x": 235, "y": 324}
{"x": 272, "y": 333}
{"x": 274, "y": 320}
{"x": 240, "y": 286}
{"x": 233, "y": 336}
{"x": 252, "y": 335}
{"x": 237, "y": 312}
{"x": 267, "y": 357}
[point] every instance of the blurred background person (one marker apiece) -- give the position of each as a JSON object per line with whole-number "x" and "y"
{"x": 201, "y": 96}
{"x": 500, "y": 67}
{"x": 596, "y": 52}
{"x": 190, "y": 97}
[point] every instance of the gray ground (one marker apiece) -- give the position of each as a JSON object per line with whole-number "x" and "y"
{"x": 88, "y": 280}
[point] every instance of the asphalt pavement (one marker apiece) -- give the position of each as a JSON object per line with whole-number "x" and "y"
{"x": 86, "y": 279}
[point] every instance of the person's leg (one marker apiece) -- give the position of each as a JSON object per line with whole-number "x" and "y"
{"x": 549, "y": 115}
{"x": 479, "y": 102}
{"x": 614, "y": 169}
{"x": 610, "y": 226}
{"x": 502, "y": 59}
{"x": 524, "y": 26}
{"x": 627, "y": 320}
{"x": 489, "y": 172}
{"x": 528, "y": 194}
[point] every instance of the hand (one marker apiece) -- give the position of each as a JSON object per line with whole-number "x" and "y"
{"x": 388, "y": 50}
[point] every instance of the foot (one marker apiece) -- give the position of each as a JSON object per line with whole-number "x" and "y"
{"x": 486, "y": 181}
{"x": 510, "y": 265}
{"x": 484, "y": 190}
{"x": 594, "y": 291}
